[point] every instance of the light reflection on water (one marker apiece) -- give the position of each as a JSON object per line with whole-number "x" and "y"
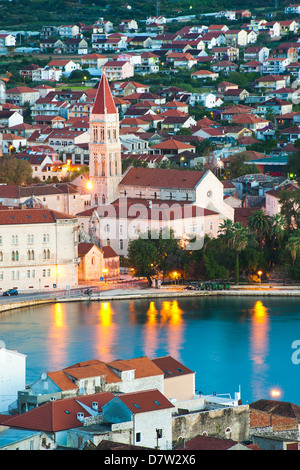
{"x": 227, "y": 341}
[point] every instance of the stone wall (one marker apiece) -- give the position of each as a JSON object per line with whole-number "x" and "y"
{"x": 231, "y": 423}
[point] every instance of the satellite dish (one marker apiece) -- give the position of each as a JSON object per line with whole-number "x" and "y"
{"x": 44, "y": 376}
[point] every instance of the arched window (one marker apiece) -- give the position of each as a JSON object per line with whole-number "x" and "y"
{"x": 48, "y": 254}
{"x": 108, "y": 242}
{"x": 121, "y": 244}
{"x": 1, "y": 256}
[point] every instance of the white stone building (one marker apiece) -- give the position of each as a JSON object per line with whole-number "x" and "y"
{"x": 12, "y": 375}
{"x": 38, "y": 250}
{"x": 148, "y": 414}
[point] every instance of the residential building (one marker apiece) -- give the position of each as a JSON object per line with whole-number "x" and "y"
{"x": 118, "y": 70}
{"x": 293, "y": 9}
{"x": 65, "y": 65}
{"x": 21, "y": 95}
{"x": 149, "y": 415}
{"x": 258, "y": 53}
{"x": 68, "y": 31}
{"x": 270, "y": 82}
{"x": 236, "y": 37}
{"x": 275, "y": 65}
{"x": 93, "y": 60}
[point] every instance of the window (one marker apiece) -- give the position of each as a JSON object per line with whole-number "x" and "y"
{"x": 1, "y": 256}
{"x": 159, "y": 433}
{"x": 138, "y": 437}
{"x": 15, "y": 256}
{"x": 121, "y": 244}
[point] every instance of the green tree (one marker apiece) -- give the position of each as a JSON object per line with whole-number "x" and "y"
{"x": 277, "y": 230}
{"x": 293, "y": 245}
{"x": 238, "y": 167}
{"x": 142, "y": 257}
{"x": 226, "y": 235}
{"x": 289, "y": 201}
{"x": 259, "y": 223}
{"x": 240, "y": 242}
{"x": 15, "y": 171}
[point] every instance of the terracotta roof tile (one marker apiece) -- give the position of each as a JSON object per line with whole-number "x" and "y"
{"x": 141, "y": 402}
{"x": 171, "y": 367}
{"x": 160, "y": 178}
{"x": 143, "y": 366}
{"x": 104, "y": 102}
{"x": 58, "y": 415}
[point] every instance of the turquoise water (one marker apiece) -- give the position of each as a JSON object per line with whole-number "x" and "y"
{"x": 228, "y": 342}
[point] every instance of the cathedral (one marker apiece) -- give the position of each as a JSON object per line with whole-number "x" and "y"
{"x": 189, "y": 202}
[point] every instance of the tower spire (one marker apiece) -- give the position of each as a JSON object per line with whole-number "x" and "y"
{"x": 104, "y": 102}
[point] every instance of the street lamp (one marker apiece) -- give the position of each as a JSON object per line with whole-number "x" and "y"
{"x": 275, "y": 393}
{"x": 105, "y": 271}
{"x": 89, "y": 185}
{"x": 259, "y": 273}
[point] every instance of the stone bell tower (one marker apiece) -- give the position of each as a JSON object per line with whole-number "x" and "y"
{"x": 104, "y": 147}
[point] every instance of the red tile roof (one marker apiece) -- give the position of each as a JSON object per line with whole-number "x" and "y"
{"x": 160, "y": 178}
{"x": 171, "y": 367}
{"x": 104, "y": 102}
{"x": 58, "y": 415}
{"x": 143, "y": 366}
{"x": 149, "y": 400}
{"x": 31, "y": 216}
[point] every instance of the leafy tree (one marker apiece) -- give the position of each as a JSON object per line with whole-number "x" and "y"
{"x": 142, "y": 256}
{"x": 15, "y": 171}
{"x": 293, "y": 165}
{"x": 241, "y": 240}
{"x": 213, "y": 270}
{"x": 293, "y": 245}
{"x": 259, "y": 223}
{"x": 290, "y": 207}
{"x": 239, "y": 168}
{"x": 277, "y": 231}
{"x": 226, "y": 234}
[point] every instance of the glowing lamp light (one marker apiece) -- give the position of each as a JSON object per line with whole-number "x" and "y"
{"x": 89, "y": 185}
{"x": 275, "y": 393}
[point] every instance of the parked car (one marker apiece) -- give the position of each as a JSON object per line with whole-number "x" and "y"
{"x": 11, "y": 292}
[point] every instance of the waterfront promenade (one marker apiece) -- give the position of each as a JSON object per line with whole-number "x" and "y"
{"x": 136, "y": 290}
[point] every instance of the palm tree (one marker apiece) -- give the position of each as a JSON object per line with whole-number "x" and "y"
{"x": 260, "y": 224}
{"x": 240, "y": 242}
{"x": 293, "y": 245}
{"x": 226, "y": 234}
{"x": 278, "y": 226}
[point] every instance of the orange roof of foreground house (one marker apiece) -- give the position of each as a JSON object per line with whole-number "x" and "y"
{"x": 104, "y": 102}
{"x": 143, "y": 366}
{"x": 149, "y": 400}
{"x": 171, "y": 367}
{"x": 58, "y": 415}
